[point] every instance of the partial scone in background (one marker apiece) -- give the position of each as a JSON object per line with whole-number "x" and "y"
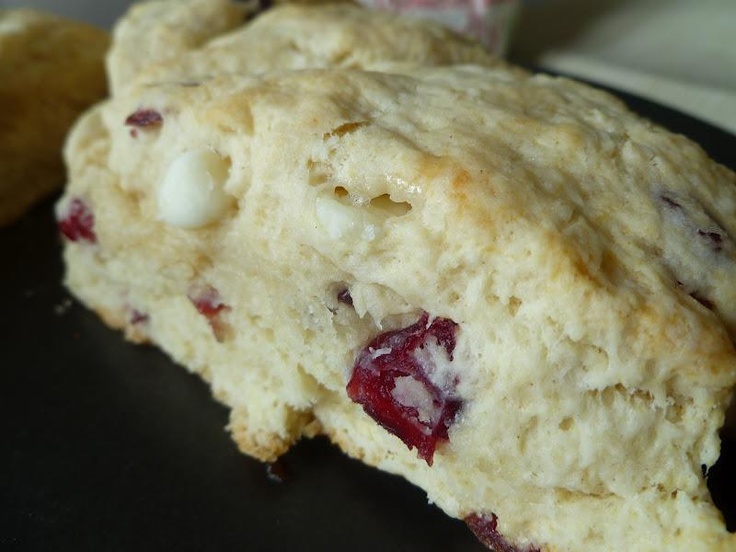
{"x": 51, "y": 70}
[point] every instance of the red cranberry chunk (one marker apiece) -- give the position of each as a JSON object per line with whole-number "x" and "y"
{"x": 138, "y": 317}
{"x": 145, "y": 118}
{"x": 209, "y": 303}
{"x": 78, "y": 223}
{"x": 485, "y": 527}
{"x": 403, "y": 381}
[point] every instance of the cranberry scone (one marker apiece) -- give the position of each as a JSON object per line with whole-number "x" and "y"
{"x": 51, "y": 70}
{"x": 230, "y": 39}
{"x": 506, "y": 288}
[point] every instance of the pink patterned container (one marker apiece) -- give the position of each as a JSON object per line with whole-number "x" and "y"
{"x": 490, "y": 21}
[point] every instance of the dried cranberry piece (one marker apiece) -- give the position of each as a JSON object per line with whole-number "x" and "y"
{"x": 138, "y": 317}
{"x": 403, "y": 380}
{"x": 78, "y": 223}
{"x": 145, "y": 118}
{"x": 485, "y": 528}
{"x": 209, "y": 303}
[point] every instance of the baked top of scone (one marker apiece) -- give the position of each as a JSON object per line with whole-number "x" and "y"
{"x": 162, "y": 30}
{"x": 51, "y": 69}
{"x": 582, "y": 256}
{"x": 286, "y": 36}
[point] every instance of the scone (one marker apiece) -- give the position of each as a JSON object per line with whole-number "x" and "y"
{"x": 162, "y": 30}
{"x": 506, "y": 288}
{"x": 287, "y": 36}
{"x": 51, "y": 69}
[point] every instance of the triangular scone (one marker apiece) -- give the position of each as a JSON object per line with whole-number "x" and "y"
{"x": 288, "y": 36}
{"x": 51, "y": 70}
{"x": 506, "y": 288}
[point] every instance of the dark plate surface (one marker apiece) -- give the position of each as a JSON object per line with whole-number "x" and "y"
{"x": 109, "y": 446}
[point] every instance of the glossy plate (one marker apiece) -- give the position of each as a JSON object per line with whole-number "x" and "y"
{"x": 109, "y": 446}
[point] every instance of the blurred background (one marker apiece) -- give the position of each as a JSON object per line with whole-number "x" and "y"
{"x": 680, "y": 53}
{"x": 98, "y": 12}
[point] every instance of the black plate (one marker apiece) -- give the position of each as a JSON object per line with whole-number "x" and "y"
{"x": 109, "y": 446}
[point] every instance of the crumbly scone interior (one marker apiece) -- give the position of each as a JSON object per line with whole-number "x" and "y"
{"x": 535, "y": 213}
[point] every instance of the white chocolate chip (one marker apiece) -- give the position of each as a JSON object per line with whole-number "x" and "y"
{"x": 436, "y": 364}
{"x": 336, "y": 218}
{"x": 344, "y": 221}
{"x": 412, "y": 393}
{"x": 191, "y": 194}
